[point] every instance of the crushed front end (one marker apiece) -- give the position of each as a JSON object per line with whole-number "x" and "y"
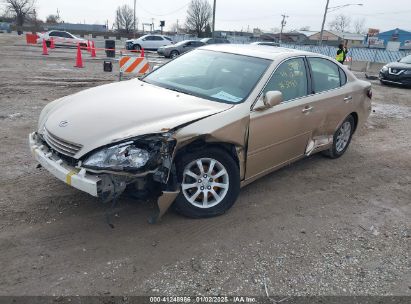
{"x": 142, "y": 163}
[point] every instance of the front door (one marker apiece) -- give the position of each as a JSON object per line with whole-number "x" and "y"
{"x": 280, "y": 134}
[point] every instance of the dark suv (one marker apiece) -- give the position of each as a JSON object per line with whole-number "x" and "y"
{"x": 214, "y": 40}
{"x": 397, "y": 72}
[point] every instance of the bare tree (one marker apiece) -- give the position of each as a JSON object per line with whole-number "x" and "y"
{"x": 124, "y": 19}
{"x": 53, "y": 19}
{"x": 199, "y": 15}
{"x": 20, "y": 9}
{"x": 341, "y": 23}
{"x": 359, "y": 26}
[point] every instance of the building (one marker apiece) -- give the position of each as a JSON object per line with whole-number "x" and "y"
{"x": 339, "y": 37}
{"x": 396, "y": 35}
{"x": 77, "y": 27}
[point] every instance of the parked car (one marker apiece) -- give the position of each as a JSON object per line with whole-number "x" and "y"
{"x": 397, "y": 72}
{"x": 172, "y": 51}
{"x": 200, "y": 127}
{"x": 267, "y": 43}
{"x": 61, "y": 38}
{"x": 148, "y": 42}
{"x": 215, "y": 41}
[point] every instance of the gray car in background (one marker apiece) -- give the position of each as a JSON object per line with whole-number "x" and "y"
{"x": 172, "y": 51}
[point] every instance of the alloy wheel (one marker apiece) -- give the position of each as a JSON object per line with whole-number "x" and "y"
{"x": 344, "y": 134}
{"x": 205, "y": 183}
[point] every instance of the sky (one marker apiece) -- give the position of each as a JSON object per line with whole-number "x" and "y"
{"x": 237, "y": 14}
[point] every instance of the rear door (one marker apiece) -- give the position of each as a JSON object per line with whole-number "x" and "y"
{"x": 159, "y": 41}
{"x": 332, "y": 95}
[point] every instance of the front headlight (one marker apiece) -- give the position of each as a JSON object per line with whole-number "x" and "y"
{"x": 119, "y": 157}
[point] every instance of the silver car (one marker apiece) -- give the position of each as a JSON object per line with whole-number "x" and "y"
{"x": 172, "y": 51}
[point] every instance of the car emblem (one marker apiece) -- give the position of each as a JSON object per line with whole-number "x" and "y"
{"x": 63, "y": 123}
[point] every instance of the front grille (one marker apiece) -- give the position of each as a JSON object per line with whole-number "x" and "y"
{"x": 60, "y": 145}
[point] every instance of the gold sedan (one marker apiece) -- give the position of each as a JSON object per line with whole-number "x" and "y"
{"x": 197, "y": 129}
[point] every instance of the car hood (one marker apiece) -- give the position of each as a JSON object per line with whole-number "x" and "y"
{"x": 399, "y": 65}
{"x": 122, "y": 110}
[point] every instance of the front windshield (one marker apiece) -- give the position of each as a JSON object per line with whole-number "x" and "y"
{"x": 217, "y": 76}
{"x": 406, "y": 59}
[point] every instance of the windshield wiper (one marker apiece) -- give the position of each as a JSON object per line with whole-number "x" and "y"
{"x": 178, "y": 90}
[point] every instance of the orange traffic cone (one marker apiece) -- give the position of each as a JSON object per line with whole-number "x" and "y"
{"x": 88, "y": 46}
{"x": 79, "y": 59}
{"x": 45, "y": 51}
{"x": 142, "y": 53}
{"x": 52, "y": 45}
{"x": 93, "y": 49}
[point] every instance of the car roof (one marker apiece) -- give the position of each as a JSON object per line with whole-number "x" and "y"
{"x": 261, "y": 51}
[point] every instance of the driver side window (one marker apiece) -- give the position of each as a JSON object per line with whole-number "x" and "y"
{"x": 290, "y": 79}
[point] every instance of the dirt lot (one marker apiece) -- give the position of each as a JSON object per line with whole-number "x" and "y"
{"x": 318, "y": 227}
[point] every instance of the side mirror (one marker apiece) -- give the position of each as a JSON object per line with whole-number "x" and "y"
{"x": 273, "y": 98}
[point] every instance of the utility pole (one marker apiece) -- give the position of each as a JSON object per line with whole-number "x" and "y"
{"x": 134, "y": 18}
{"x": 214, "y": 8}
{"x": 320, "y": 42}
{"x": 283, "y": 23}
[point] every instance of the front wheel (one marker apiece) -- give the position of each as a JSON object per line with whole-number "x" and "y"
{"x": 136, "y": 47}
{"x": 174, "y": 54}
{"x": 210, "y": 183}
{"x": 342, "y": 138}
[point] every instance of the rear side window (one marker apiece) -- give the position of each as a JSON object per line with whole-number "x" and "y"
{"x": 325, "y": 74}
{"x": 167, "y": 38}
{"x": 158, "y": 38}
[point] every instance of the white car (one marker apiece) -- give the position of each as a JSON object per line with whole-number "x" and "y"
{"x": 62, "y": 38}
{"x": 148, "y": 42}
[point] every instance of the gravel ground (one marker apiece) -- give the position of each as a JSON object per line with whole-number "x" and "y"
{"x": 318, "y": 227}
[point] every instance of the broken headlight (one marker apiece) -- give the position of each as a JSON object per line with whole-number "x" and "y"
{"x": 119, "y": 157}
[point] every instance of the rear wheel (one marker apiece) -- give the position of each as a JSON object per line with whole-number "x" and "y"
{"x": 48, "y": 43}
{"x": 342, "y": 138}
{"x": 210, "y": 183}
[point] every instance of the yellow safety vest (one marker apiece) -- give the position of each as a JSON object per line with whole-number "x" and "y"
{"x": 340, "y": 56}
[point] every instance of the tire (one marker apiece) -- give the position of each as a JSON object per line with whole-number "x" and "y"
{"x": 174, "y": 54}
{"x": 48, "y": 44}
{"x": 219, "y": 193}
{"x": 342, "y": 138}
{"x": 136, "y": 47}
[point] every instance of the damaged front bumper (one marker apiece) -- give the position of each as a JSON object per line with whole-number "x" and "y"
{"x": 106, "y": 186}
{"x": 75, "y": 177}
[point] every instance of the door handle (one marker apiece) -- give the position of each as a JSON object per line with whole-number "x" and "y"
{"x": 308, "y": 109}
{"x": 348, "y": 99}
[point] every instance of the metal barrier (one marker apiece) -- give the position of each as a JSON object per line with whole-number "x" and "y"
{"x": 357, "y": 54}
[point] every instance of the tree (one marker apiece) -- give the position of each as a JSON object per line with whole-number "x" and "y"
{"x": 199, "y": 15}
{"x": 124, "y": 21}
{"x": 341, "y": 23}
{"x": 20, "y": 9}
{"x": 53, "y": 19}
{"x": 359, "y": 26}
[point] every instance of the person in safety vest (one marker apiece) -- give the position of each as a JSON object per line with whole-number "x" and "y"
{"x": 341, "y": 53}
